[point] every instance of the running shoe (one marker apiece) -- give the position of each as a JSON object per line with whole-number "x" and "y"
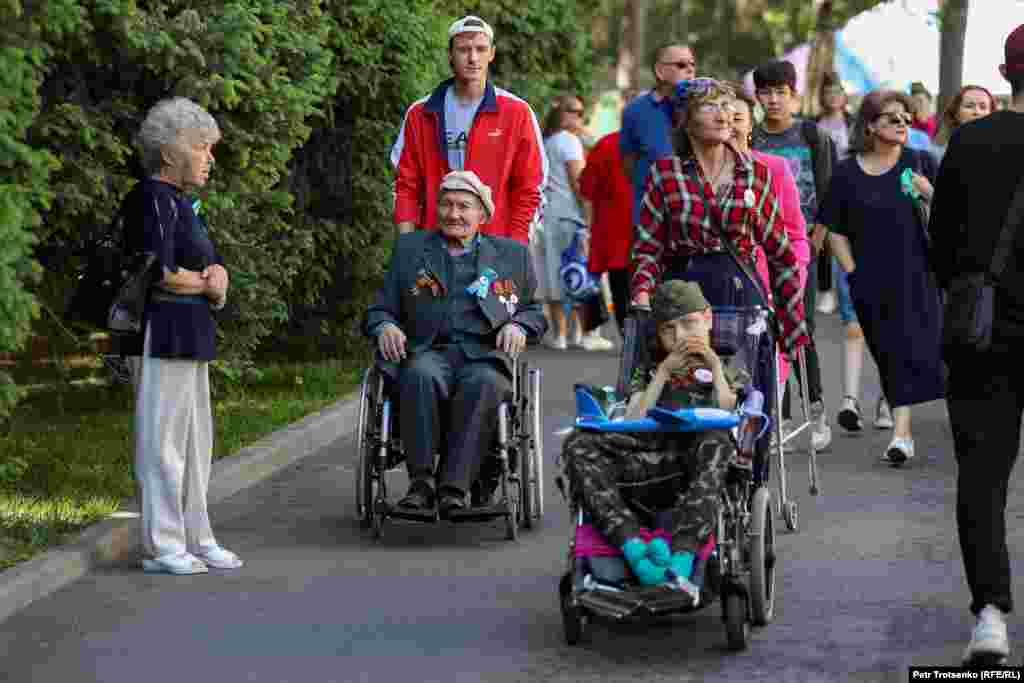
{"x": 557, "y": 343}
{"x": 827, "y": 302}
{"x": 900, "y": 450}
{"x": 989, "y": 644}
{"x": 821, "y": 432}
{"x": 883, "y": 416}
{"x": 849, "y": 415}
{"x": 593, "y": 341}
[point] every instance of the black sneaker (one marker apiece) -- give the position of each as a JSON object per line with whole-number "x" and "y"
{"x": 419, "y": 497}
{"x": 849, "y": 415}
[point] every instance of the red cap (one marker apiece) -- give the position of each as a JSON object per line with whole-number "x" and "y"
{"x": 1015, "y": 50}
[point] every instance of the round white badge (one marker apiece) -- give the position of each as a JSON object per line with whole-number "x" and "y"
{"x": 703, "y": 375}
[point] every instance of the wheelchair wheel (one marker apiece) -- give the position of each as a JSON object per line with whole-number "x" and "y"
{"x": 364, "y": 500}
{"x": 761, "y": 536}
{"x": 512, "y": 500}
{"x": 574, "y": 622}
{"x": 791, "y": 516}
{"x": 737, "y": 627}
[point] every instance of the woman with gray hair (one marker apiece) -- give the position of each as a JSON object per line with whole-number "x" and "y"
{"x": 173, "y": 421}
{"x": 872, "y": 210}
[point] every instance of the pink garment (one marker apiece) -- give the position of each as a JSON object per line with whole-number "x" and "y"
{"x": 788, "y": 195}
{"x": 590, "y": 543}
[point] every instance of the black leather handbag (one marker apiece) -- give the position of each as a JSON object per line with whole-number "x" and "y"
{"x": 970, "y": 298}
{"x": 125, "y": 313}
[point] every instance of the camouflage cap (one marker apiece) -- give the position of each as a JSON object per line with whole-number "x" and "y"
{"x": 676, "y": 298}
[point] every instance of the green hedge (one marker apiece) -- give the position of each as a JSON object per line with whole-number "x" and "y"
{"x": 309, "y": 95}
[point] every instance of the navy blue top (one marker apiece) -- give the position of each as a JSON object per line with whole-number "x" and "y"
{"x": 646, "y": 132}
{"x": 159, "y": 219}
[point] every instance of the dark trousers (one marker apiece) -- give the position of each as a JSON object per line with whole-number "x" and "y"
{"x": 810, "y": 352}
{"x": 986, "y": 400}
{"x": 441, "y": 393}
{"x": 620, "y": 281}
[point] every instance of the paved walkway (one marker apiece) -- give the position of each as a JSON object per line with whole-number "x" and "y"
{"x": 871, "y": 585}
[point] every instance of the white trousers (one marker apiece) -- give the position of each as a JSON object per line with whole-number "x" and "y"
{"x": 173, "y": 452}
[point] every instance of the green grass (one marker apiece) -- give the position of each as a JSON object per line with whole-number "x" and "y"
{"x": 67, "y": 462}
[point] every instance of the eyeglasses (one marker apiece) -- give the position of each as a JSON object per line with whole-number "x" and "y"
{"x": 777, "y": 92}
{"x": 578, "y": 112}
{"x": 893, "y": 119}
{"x": 683, "y": 64}
{"x": 715, "y": 108}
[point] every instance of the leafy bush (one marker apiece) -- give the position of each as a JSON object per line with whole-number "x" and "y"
{"x": 309, "y": 95}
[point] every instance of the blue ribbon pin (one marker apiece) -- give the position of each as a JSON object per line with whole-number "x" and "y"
{"x": 482, "y": 285}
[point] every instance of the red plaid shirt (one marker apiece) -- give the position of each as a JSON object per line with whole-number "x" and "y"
{"x": 680, "y": 215}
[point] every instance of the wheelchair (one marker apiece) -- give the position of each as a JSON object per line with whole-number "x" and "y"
{"x": 511, "y": 486}
{"x": 737, "y": 567}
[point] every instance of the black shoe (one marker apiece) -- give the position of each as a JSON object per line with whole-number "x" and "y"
{"x": 419, "y": 497}
{"x": 450, "y": 499}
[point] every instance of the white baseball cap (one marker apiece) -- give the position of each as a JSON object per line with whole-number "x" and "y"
{"x": 470, "y": 24}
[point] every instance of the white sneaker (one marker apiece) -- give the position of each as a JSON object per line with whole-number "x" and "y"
{"x": 557, "y": 343}
{"x": 595, "y": 342}
{"x": 821, "y": 432}
{"x": 899, "y": 451}
{"x": 827, "y": 302}
{"x": 883, "y": 416}
{"x": 180, "y": 564}
{"x": 219, "y": 558}
{"x": 988, "y": 639}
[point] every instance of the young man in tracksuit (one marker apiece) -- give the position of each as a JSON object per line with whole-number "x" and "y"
{"x": 468, "y": 124}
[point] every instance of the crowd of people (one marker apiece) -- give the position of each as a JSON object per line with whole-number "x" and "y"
{"x": 847, "y": 211}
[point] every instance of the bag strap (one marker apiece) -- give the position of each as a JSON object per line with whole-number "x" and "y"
{"x": 1004, "y": 246}
{"x": 744, "y": 266}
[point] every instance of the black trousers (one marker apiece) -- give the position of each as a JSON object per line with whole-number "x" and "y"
{"x": 986, "y": 400}
{"x": 810, "y": 352}
{"x": 620, "y": 281}
{"x": 446, "y": 398}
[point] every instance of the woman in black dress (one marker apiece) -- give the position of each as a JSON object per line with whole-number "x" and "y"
{"x": 880, "y": 240}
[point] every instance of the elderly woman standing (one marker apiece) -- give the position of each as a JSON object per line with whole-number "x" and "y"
{"x": 878, "y": 238}
{"x": 173, "y": 421}
{"x": 708, "y": 192}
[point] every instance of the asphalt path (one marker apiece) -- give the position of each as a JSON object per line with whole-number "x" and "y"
{"x": 871, "y": 584}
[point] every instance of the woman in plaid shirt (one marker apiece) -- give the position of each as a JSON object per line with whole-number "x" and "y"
{"x": 708, "y": 188}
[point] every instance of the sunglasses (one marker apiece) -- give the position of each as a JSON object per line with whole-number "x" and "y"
{"x": 683, "y": 64}
{"x": 896, "y": 119}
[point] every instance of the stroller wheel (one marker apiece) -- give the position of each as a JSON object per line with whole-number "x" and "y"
{"x": 761, "y": 535}
{"x": 573, "y": 619}
{"x": 737, "y": 627}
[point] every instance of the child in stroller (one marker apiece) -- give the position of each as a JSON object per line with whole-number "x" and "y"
{"x": 688, "y": 469}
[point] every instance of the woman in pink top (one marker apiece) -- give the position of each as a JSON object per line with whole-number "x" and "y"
{"x": 786, "y": 192}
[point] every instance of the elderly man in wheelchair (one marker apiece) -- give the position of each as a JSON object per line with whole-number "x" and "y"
{"x": 685, "y": 372}
{"x": 455, "y": 309}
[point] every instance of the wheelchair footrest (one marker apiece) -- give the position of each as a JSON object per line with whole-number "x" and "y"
{"x": 481, "y": 513}
{"x": 408, "y": 514}
{"x": 636, "y": 603}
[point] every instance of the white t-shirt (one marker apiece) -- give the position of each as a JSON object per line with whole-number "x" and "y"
{"x": 458, "y": 119}
{"x": 561, "y": 148}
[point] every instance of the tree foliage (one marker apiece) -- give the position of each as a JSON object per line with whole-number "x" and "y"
{"x": 309, "y": 95}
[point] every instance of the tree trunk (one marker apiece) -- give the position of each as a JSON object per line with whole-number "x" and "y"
{"x": 821, "y": 60}
{"x": 626, "y": 53}
{"x": 951, "y": 50}
{"x": 638, "y": 26}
